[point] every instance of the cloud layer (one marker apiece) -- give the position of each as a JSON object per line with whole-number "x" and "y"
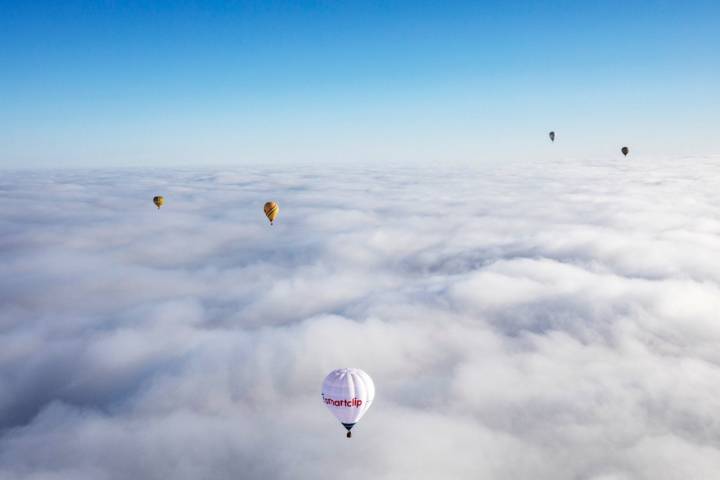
{"x": 554, "y": 321}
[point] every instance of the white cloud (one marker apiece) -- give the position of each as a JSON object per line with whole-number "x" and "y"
{"x": 555, "y": 321}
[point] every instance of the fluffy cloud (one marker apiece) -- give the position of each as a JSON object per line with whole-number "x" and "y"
{"x": 554, "y": 321}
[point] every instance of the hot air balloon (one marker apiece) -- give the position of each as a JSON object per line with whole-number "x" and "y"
{"x": 348, "y": 393}
{"x": 624, "y": 151}
{"x": 552, "y": 136}
{"x": 271, "y": 211}
{"x": 158, "y": 201}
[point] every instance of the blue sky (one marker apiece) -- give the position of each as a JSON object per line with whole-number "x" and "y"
{"x": 176, "y": 83}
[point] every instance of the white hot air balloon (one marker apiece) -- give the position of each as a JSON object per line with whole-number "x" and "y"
{"x": 348, "y": 393}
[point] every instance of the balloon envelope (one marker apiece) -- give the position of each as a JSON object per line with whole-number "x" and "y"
{"x": 271, "y": 211}
{"x": 552, "y": 136}
{"x": 348, "y": 394}
{"x": 624, "y": 151}
{"x": 158, "y": 201}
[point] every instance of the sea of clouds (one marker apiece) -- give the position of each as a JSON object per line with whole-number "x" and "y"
{"x": 531, "y": 321}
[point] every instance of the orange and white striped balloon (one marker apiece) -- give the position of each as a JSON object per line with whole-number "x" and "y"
{"x": 271, "y": 211}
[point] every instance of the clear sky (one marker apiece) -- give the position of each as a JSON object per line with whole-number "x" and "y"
{"x": 115, "y": 83}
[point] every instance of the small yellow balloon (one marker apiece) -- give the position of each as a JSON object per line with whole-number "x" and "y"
{"x": 271, "y": 211}
{"x": 158, "y": 201}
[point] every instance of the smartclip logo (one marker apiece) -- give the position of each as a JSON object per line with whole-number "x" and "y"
{"x": 355, "y": 402}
